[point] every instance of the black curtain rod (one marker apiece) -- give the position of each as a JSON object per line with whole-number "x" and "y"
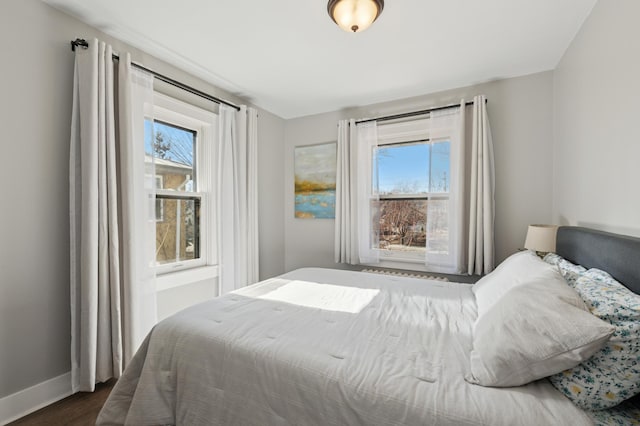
{"x": 412, "y": 113}
{"x": 79, "y": 42}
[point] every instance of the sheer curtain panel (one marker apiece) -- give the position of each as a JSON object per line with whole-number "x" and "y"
{"x": 112, "y": 282}
{"x": 237, "y": 202}
{"x": 445, "y": 214}
{"x": 138, "y": 207}
{"x": 482, "y": 202}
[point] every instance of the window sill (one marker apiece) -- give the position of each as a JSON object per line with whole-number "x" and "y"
{"x": 184, "y": 277}
{"x": 412, "y": 265}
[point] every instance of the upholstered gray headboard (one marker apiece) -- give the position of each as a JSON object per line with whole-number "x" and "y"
{"x": 619, "y": 255}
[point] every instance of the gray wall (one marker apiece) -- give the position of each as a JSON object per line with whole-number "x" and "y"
{"x": 270, "y": 195}
{"x": 520, "y": 112}
{"x": 596, "y": 122}
{"x": 35, "y": 86}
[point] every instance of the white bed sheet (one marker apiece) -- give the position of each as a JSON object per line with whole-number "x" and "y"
{"x": 324, "y": 347}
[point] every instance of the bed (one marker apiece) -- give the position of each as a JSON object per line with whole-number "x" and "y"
{"x": 331, "y": 347}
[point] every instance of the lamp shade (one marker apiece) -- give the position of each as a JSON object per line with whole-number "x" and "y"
{"x": 541, "y": 238}
{"x": 354, "y": 15}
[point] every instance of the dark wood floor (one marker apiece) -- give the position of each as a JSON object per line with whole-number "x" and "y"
{"x": 77, "y": 410}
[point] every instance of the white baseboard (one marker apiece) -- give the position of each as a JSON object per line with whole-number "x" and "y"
{"x": 26, "y": 401}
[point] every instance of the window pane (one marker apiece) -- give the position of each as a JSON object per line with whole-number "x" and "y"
{"x": 174, "y": 151}
{"x": 177, "y": 233}
{"x": 401, "y": 225}
{"x": 438, "y": 227}
{"x": 440, "y": 170}
{"x": 403, "y": 169}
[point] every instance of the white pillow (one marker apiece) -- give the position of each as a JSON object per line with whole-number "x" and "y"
{"x": 518, "y": 269}
{"x": 534, "y": 331}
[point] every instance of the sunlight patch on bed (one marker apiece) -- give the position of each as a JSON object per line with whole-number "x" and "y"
{"x": 328, "y": 297}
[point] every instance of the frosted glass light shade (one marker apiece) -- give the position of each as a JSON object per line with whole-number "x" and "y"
{"x": 541, "y": 238}
{"x": 354, "y": 15}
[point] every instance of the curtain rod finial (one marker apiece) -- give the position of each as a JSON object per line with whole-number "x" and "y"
{"x": 79, "y": 42}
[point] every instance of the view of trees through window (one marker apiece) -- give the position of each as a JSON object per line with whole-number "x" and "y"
{"x": 402, "y": 224}
{"x": 412, "y": 181}
{"x": 177, "y": 207}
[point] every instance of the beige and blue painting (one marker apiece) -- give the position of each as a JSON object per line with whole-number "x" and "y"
{"x": 315, "y": 181}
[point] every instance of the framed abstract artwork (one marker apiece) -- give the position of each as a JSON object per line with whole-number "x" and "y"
{"x": 315, "y": 181}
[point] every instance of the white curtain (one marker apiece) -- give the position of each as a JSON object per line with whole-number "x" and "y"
{"x": 482, "y": 202}
{"x": 356, "y": 193}
{"x": 346, "y": 232}
{"x": 237, "y": 203}
{"x": 367, "y": 191}
{"x": 445, "y": 246}
{"x": 111, "y": 307}
{"x": 138, "y": 206}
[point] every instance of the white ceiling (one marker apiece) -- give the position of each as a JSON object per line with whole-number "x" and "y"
{"x": 288, "y": 57}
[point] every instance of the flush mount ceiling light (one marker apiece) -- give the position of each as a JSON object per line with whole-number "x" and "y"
{"x": 354, "y": 15}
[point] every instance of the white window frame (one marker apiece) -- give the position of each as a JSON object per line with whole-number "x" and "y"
{"x": 205, "y": 124}
{"x": 159, "y": 182}
{"x": 412, "y": 131}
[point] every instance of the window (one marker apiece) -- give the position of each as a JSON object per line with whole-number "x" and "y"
{"x": 178, "y": 139}
{"x": 413, "y": 180}
{"x": 411, "y": 190}
{"x": 178, "y": 203}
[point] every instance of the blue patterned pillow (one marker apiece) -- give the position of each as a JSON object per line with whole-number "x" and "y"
{"x": 611, "y": 375}
{"x": 569, "y": 271}
{"x": 625, "y": 414}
